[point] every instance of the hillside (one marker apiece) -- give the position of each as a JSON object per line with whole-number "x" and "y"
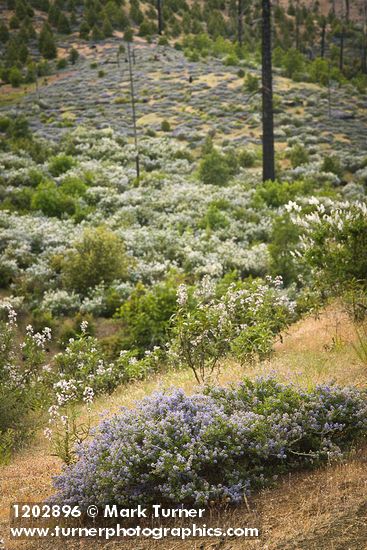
{"x": 183, "y": 290}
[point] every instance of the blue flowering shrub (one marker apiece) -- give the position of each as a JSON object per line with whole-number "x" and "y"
{"x": 212, "y": 446}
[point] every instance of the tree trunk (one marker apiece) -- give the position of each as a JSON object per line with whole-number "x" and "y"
{"x": 347, "y": 10}
{"x": 323, "y": 35}
{"x": 364, "y": 40}
{"x": 160, "y": 16}
{"x": 240, "y": 22}
{"x": 137, "y": 160}
{"x": 341, "y": 51}
{"x": 267, "y": 95}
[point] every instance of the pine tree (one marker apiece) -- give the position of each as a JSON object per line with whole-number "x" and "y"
{"x": 4, "y": 32}
{"x": 54, "y": 14}
{"x": 14, "y": 22}
{"x": 15, "y": 77}
{"x": 267, "y": 95}
{"x": 84, "y": 30}
{"x": 97, "y": 33}
{"x": 73, "y": 56}
{"x": 63, "y": 25}
{"x": 107, "y": 27}
{"x": 47, "y": 45}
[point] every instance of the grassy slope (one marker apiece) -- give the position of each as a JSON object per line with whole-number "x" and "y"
{"x": 321, "y": 510}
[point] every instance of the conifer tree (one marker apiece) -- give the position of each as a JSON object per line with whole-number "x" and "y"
{"x": 47, "y": 45}
{"x": 4, "y": 32}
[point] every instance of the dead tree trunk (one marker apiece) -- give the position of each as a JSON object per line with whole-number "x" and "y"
{"x": 160, "y": 16}
{"x": 240, "y": 22}
{"x": 341, "y": 50}
{"x": 323, "y": 36}
{"x": 347, "y": 10}
{"x": 364, "y": 40}
{"x": 137, "y": 159}
{"x": 267, "y": 95}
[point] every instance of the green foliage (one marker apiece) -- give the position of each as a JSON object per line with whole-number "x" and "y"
{"x": 84, "y": 30}
{"x": 62, "y": 63}
{"x": 252, "y": 83}
{"x": 52, "y": 201}
{"x": 165, "y": 126}
{"x": 335, "y": 249}
{"x": 242, "y": 322}
{"x": 146, "y": 315}
{"x": 15, "y": 77}
{"x": 231, "y": 60}
{"x": 214, "y": 169}
{"x": 73, "y": 56}
{"x": 275, "y": 193}
{"x": 284, "y": 238}
{"x": 214, "y": 219}
{"x": 46, "y": 42}
{"x": 60, "y": 164}
{"x": 319, "y": 71}
{"x": 298, "y": 155}
{"x": 293, "y": 62}
{"x": 332, "y": 164}
{"x": 98, "y": 257}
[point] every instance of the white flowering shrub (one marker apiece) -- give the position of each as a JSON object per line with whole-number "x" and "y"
{"x": 333, "y": 241}
{"x": 243, "y": 321}
{"x": 22, "y": 384}
{"x": 65, "y": 430}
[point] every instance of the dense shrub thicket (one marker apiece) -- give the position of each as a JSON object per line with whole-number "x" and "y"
{"x": 216, "y": 446}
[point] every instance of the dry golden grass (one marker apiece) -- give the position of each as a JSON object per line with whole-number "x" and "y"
{"x": 320, "y": 510}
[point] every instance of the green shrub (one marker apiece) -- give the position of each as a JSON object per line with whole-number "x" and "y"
{"x": 60, "y": 164}
{"x": 165, "y": 126}
{"x": 51, "y": 200}
{"x": 15, "y": 77}
{"x": 275, "y": 193}
{"x": 246, "y": 159}
{"x": 214, "y": 169}
{"x": 214, "y": 219}
{"x": 231, "y": 60}
{"x": 146, "y": 314}
{"x": 298, "y": 155}
{"x": 283, "y": 240}
{"x": 332, "y": 164}
{"x": 73, "y": 186}
{"x": 98, "y": 257}
{"x": 4, "y": 123}
{"x": 62, "y": 63}
{"x": 293, "y": 62}
{"x": 334, "y": 246}
{"x": 243, "y": 322}
{"x": 252, "y": 83}
{"x": 319, "y": 71}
